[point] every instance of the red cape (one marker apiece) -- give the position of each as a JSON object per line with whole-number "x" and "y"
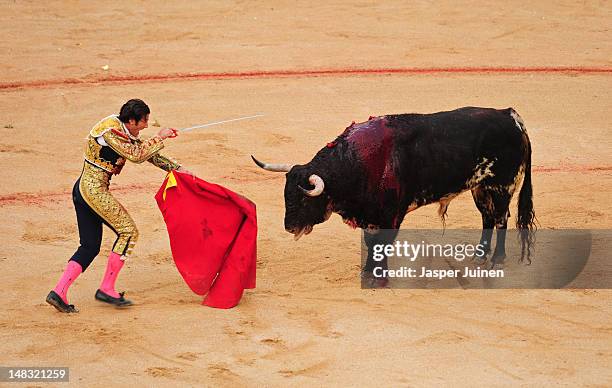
{"x": 213, "y": 237}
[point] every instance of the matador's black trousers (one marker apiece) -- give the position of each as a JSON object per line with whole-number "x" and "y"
{"x": 90, "y": 230}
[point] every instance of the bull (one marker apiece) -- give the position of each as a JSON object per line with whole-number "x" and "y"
{"x": 379, "y": 170}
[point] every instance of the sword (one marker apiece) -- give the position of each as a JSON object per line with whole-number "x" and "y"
{"x": 218, "y": 122}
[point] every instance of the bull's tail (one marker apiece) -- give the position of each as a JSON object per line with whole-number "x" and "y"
{"x": 526, "y": 221}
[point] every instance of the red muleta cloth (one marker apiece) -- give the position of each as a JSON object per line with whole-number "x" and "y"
{"x": 213, "y": 237}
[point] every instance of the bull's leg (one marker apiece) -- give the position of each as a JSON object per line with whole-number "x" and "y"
{"x": 501, "y": 224}
{"x": 484, "y": 203}
{"x": 501, "y": 202}
{"x": 373, "y": 267}
{"x": 370, "y": 240}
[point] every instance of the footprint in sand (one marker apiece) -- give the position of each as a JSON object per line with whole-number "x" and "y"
{"x": 45, "y": 232}
{"x": 273, "y": 341}
{"x": 311, "y": 371}
{"x": 275, "y": 139}
{"x": 221, "y": 370}
{"x": 246, "y": 322}
{"x": 105, "y": 336}
{"x": 160, "y": 371}
{"x": 321, "y": 325}
{"x": 158, "y": 258}
{"x": 447, "y": 338}
{"x": 222, "y": 149}
{"x": 189, "y": 356}
{"x": 11, "y": 149}
{"x": 210, "y": 136}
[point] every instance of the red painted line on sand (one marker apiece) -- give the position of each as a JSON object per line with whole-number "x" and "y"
{"x": 43, "y": 198}
{"x": 304, "y": 73}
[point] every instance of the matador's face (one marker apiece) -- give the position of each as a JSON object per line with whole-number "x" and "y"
{"x": 136, "y": 126}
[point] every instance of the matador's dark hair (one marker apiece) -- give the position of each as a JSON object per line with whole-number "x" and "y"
{"x": 133, "y": 109}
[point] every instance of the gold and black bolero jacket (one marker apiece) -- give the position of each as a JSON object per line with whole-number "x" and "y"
{"x": 117, "y": 145}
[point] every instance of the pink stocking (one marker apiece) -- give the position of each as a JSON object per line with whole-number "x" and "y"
{"x": 112, "y": 270}
{"x": 72, "y": 271}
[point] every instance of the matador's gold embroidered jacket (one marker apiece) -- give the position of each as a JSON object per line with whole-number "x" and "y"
{"x": 109, "y": 144}
{"x": 117, "y": 145}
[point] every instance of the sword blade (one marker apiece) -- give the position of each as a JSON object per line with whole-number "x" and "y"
{"x": 219, "y": 122}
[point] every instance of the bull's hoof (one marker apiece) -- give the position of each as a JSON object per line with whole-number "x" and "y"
{"x": 497, "y": 261}
{"x": 479, "y": 260}
{"x": 368, "y": 280}
{"x": 496, "y": 266}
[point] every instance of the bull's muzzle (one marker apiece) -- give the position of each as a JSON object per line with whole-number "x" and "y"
{"x": 299, "y": 231}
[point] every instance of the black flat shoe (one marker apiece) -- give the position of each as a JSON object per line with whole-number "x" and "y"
{"x": 56, "y": 301}
{"x": 119, "y": 302}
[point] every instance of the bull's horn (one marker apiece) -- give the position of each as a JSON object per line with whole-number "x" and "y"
{"x": 273, "y": 167}
{"x": 318, "y": 183}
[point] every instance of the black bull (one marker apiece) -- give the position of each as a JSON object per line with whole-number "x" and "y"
{"x": 377, "y": 171}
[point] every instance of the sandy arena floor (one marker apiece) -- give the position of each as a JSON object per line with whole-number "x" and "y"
{"x": 308, "y": 322}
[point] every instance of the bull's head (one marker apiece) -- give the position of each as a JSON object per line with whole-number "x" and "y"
{"x": 306, "y": 203}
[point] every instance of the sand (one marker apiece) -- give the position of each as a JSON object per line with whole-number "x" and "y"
{"x": 308, "y": 322}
